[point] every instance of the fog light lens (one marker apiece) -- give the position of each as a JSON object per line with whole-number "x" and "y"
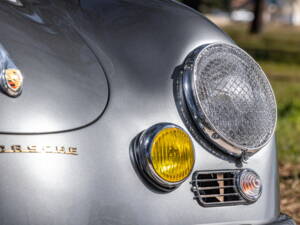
{"x": 250, "y": 185}
{"x": 165, "y": 154}
{"x": 172, "y": 154}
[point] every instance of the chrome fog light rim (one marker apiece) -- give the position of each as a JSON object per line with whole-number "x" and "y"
{"x": 200, "y": 116}
{"x": 141, "y": 151}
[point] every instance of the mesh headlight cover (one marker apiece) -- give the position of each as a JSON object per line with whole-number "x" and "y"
{"x": 230, "y": 97}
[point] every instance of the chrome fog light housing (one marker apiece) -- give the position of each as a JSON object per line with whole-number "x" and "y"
{"x": 164, "y": 154}
{"x": 229, "y": 98}
{"x": 249, "y": 185}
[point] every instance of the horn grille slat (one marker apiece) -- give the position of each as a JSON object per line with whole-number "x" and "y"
{"x": 217, "y": 188}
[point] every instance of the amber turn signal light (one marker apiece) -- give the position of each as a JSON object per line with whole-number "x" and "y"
{"x": 250, "y": 185}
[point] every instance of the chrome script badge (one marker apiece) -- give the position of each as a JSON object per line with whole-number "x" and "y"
{"x": 12, "y": 82}
{"x": 67, "y": 150}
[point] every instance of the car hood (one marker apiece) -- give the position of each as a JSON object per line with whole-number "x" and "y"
{"x": 65, "y": 87}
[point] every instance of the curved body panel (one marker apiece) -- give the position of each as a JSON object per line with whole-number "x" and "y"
{"x": 64, "y": 85}
{"x": 139, "y": 44}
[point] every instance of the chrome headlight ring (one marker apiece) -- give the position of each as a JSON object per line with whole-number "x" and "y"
{"x": 235, "y": 80}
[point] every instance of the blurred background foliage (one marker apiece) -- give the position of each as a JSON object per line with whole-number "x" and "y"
{"x": 270, "y": 31}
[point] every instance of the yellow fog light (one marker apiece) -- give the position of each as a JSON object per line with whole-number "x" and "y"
{"x": 172, "y": 154}
{"x": 165, "y": 155}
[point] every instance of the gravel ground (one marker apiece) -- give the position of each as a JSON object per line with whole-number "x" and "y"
{"x": 290, "y": 190}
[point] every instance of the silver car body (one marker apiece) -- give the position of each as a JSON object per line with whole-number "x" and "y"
{"x": 97, "y": 73}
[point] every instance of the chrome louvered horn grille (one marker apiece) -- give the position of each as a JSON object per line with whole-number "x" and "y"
{"x": 217, "y": 188}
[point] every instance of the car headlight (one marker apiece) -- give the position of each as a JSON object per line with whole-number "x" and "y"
{"x": 164, "y": 154}
{"x": 229, "y": 98}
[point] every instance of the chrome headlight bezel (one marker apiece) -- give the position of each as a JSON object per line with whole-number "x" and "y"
{"x": 200, "y": 119}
